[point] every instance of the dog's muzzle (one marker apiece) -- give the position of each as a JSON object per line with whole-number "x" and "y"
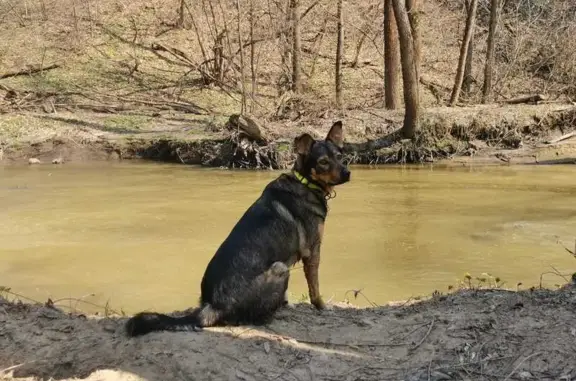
{"x": 344, "y": 176}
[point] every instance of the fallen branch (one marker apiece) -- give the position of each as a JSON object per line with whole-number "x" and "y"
{"x": 528, "y": 99}
{"x": 426, "y": 335}
{"x": 435, "y": 89}
{"x": 561, "y": 138}
{"x": 32, "y": 69}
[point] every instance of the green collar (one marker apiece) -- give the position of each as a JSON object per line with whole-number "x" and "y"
{"x": 306, "y": 182}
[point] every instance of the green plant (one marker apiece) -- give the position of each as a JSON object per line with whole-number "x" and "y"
{"x": 484, "y": 281}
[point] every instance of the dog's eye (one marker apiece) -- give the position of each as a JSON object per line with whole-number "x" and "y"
{"x": 323, "y": 161}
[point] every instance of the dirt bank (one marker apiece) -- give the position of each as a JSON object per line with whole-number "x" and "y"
{"x": 467, "y": 335}
{"x": 483, "y": 134}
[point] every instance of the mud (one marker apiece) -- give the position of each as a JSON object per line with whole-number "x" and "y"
{"x": 465, "y": 335}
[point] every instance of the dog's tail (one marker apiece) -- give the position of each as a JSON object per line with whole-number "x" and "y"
{"x": 146, "y": 322}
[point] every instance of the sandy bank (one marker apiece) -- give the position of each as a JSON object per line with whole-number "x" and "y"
{"x": 467, "y": 335}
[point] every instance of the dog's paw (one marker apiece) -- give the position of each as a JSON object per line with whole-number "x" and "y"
{"x": 319, "y": 304}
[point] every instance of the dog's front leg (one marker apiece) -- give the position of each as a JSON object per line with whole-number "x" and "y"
{"x": 311, "y": 265}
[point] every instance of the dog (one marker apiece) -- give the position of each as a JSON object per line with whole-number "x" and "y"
{"x": 246, "y": 281}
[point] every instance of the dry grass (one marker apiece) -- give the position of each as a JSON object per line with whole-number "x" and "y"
{"x": 104, "y": 47}
{"x": 112, "y": 62}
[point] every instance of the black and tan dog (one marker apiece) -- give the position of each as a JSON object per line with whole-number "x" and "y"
{"x": 246, "y": 280}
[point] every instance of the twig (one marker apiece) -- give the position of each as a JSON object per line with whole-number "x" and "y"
{"x": 415, "y": 329}
{"x": 573, "y": 253}
{"x": 179, "y": 157}
{"x": 555, "y": 272}
{"x": 21, "y": 296}
{"x": 426, "y": 335}
{"x": 430, "y": 364}
{"x": 10, "y": 368}
{"x": 520, "y": 363}
{"x": 349, "y": 345}
{"x": 359, "y": 292}
{"x": 30, "y": 70}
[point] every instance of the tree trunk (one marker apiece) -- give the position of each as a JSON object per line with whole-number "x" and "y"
{"x": 181, "y": 14}
{"x": 409, "y": 74}
{"x": 468, "y": 78}
{"x": 285, "y": 33}
{"x": 488, "y": 68}
{"x": 296, "y": 47}
{"x": 359, "y": 45}
{"x": 412, "y": 9}
{"x": 339, "y": 48}
{"x": 470, "y": 21}
{"x": 252, "y": 55}
{"x": 391, "y": 58}
{"x": 242, "y": 66}
{"x": 318, "y": 46}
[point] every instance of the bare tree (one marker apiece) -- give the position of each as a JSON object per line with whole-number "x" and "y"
{"x": 468, "y": 78}
{"x": 285, "y": 32}
{"x": 364, "y": 30}
{"x": 181, "y": 13}
{"x": 317, "y": 46}
{"x": 409, "y": 73}
{"x": 252, "y": 54}
{"x": 488, "y": 67}
{"x": 470, "y": 21}
{"x": 296, "y": 47}
{"x": 242, "y": 66}
{"x": 391, "y": 58}
{"x": 339, "y": 48}
{"x": 412, "y": 9}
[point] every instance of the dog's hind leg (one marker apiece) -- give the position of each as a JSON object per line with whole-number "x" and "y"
{"x": 265, "y": 296}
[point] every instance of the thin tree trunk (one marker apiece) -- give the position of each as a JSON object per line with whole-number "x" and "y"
{"x": 317, "y": 47}
{"x": 296, "y": 47}
{"x": 391, "y": 58}
{"x": 339, "y": 48}
{"x": 241, "y": 43}
{"x": 252, "y": 54}
{"x": 468, "y": 78}
{"x": 43, "y": 10}
{"x": 181, "y": 14}
{"x": 488, "y": 68}
{"x": 409, "y": 74}
{"x": 470, "y": 21}
{"x": 359, "y": 48}
{"x": 412, "y": 9}
{"x": 286, "y": 39}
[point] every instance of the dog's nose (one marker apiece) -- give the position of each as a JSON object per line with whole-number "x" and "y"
{"x": 346, "y": 175}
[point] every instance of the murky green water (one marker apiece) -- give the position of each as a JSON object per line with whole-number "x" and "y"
{"x": 140, "y": 235}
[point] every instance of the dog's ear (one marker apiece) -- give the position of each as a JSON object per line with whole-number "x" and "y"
{"x": 303, "y": 143}
{"x": 335, "y": 135}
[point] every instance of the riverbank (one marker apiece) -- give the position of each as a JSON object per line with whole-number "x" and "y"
{"x": 495, "y": 134}
{"x": 468, "y": 334}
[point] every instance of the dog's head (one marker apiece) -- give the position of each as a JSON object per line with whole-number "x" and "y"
{"x": 320, "y": 161}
